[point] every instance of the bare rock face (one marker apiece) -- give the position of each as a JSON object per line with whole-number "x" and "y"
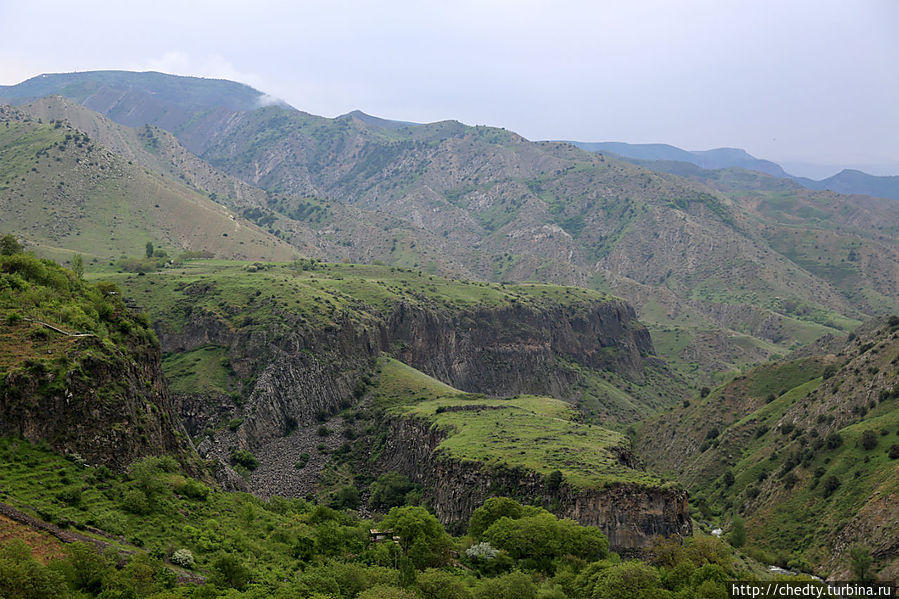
{"x": 630, "y": 515}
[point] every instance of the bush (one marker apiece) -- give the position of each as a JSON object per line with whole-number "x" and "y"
{"x": 9, "y": 245}
{"x": 70, "y": 496}
{"x": 737, "y": 536}
{"x": 183, "y": 558}
{"x": 830, "y": 484}
{"x": 301, "y": 463}
{"x": 245, "y": 459}
{"x": 234, "y": 423}
{"x": 390, "y": 490}
{"x": 894, "y": 451}
{"x": 834, "y": 440}
{"x": 347, "y": 498}
{"x": 136, "y": 502}
{"x": 228, "y": 571}
{"x": 193, "y": 489}
{"x": 869, "y": 440}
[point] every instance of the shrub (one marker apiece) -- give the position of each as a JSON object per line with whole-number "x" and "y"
{"x": 234, "y": 423}
{"x": 228, "y": 571}
{"x": 869, "y": 440}
{"x": 347, "y": 498}
{"x": 894, "y": 451}
{"x": 136, "y": 502}
{"x": 301, "y": 463}
{"x": 834, "y": 440}
{"x": 245, "y": 459}
{"x": 830, "y": 484}
{"x": 737, "y": 536}
{"x": 193, "y": 489}
{"x": 183, "y": 558}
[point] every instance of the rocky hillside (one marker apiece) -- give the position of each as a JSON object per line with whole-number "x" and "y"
{"x": 80, "y": 371}
{"x": 806, "y": 450}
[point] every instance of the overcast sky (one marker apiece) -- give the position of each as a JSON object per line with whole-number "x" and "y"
{"x": 793, "y": 81}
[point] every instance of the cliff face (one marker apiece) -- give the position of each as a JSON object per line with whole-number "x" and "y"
{"x": 629, "y": 515}
{"x": 109, "y": 405}
{"x": 299, "y": 374}
{"x": 513, "y": 350}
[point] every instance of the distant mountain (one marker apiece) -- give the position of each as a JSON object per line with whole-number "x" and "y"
{"x": 853, "y": 181}
{"x": 374, "y": 121}
{"x": 134, "y": 99}
{"x": 651, "y": 155}
{"x": 716, "y": 158}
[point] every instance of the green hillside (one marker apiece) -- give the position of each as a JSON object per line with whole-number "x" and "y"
{"x": 805, "y": 450}
{"x": 539, "y": 434}
{"x": 62, "y": 192}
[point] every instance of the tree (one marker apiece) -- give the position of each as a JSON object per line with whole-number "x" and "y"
{"x": 422, "y": 537}
{"x": 492, "y": 510}
{"x": 554, "y": 480}
{"x": 149, "y": 249}
{"x": 629, "y": 580}
{"x": 894, "y": 451}
{"x": 860, "y": 561}
{"x": 390, "y": 490}
{"x": 437, "y": 584}
{"x": 515, "y": 585}
{"x": 9, "y": 245}
{"x": 78, "y": 265}
{"x": 346, "y": 498}
{"x": 228, "y": 571}
{"x": 738, "y": 533}
{"x": 869, "y": 440}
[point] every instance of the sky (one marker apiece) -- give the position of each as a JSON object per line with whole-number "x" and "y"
{"x": 811, "y": 84}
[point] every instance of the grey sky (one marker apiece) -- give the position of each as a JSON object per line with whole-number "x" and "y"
{"x": 794, "y": 81}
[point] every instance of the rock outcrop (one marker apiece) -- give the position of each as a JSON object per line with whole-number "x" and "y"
{"x": 109, "y": 405}
{"x": 299, "y": 373}
{"x": 630, "y": 515}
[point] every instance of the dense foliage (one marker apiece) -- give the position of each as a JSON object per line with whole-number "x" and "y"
{"x": 166, "y": 533}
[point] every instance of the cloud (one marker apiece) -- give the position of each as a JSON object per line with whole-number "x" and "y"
{"x": 268, "y": 100}
{"x": 213, "y": 66}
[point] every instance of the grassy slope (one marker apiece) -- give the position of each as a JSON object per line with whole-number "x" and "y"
{"x": 770, "y": 430}
{"x": 43, "y": 483}
{"x": 63, "y": 193}
{"x": 536, "y": 433}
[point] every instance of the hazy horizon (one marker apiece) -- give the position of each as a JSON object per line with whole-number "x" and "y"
{"x": 805, "y": 84}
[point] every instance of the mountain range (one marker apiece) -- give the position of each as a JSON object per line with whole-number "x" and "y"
{"x": 727, "y": 266}
{"x": 849, "y": 181}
